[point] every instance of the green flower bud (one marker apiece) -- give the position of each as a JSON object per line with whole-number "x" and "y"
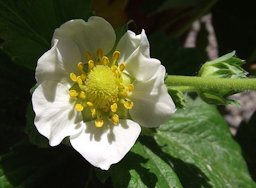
{"x": 227, "y": 66}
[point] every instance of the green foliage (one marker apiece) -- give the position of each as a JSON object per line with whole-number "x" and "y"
{"x": 178, "y": 97}
{"x": 143, "y": 168}
{"x": 27, "y": 26}
{"x": 27, "y": 166}
{"x": 199, "y": 137}
{"x": 246, "y": 138}
{"x": 198, "y": 147}
{"x": 193, "y": 149}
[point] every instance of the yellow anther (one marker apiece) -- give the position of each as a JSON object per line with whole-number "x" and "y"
{"x": 115, "y": 119}
{"x": 115, "y": 56}
{"x": 122, "y": 67}
{"x": 93, "y": 112}
{"x": 90, "y": 64}
{"x": 79, "y": 80}
{"x": 130, "y": 87}
{"x": 99, "y": 123}
{"x": 128, "y": 105}
{"x": 80, "y": 66}
{"x": 114, "y": 68}
{"x": 83, "y": 76}
{"x": 73, "y": 77}
{"x": 88, "y": 56}
{"x": 99, "y": 53}
{"x": 82, "y": 95}
{"x": 117, "y": 74}
{"x": 79, "y": 107}
{"x": 113, "y": 107}
{"x": 105, "y": 60}
{"x": 123, "y": 93}
{"x": 90, "y": 104}
{"x": 73, "y": 93}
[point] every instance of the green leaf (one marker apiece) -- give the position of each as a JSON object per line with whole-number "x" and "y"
{"x": 27, "y": 26}
{"x": 246, "y": 138}
{"x": 4, "y": 183}
{"x": 143, "y": 168}
{"x": 14, "y": 83}
{"x": 27, "y": 166}
{"x": 203, "y": 152}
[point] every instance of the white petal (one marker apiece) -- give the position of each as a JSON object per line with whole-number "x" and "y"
{"x": 135, "y": 54}
{"x": 55, "y": 115}
{"x": 152, "y": 103}
{"x": 105, "y": 146}
{"x": 141, "y": 67}
{"x": 130, "y": 42}
{"x": 85, "y": 36}
{"x": 50, "y": 67}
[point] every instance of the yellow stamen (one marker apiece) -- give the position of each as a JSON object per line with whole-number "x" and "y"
{"x": 73, "y": 93}
{"x": 90, "y": 64}
{"x": 130, "y": 87}
{"x": 99, "y": 123}
{"x": 82, "y": 95}
{"x": 93, "y": 112}
{"x": 113, "y": 107}
{"x": 115, "y": 56}
{"x": 122, "y": 67}
{"x": 88, "y": 56}
{"x": 115, "y": 119}
{"x": 114, "y": 68}
{"x": 80, "y": 66}
{"x": 105, "y": 60}
{"x": 99, "y": 53}
{"x": 89, "y": 104}
{"x": 79, "y": 107}
{"x": 101, "y": 88}
{"x": 128, "y": 105}
{"x": 83, "y": 76}
{"x": 79, "y": 80}
{"x": 123, "y": 93}
{"x": 73, "y": 77}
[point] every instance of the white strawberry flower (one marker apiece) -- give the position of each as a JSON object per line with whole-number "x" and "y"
{"x": 97, "y": 96}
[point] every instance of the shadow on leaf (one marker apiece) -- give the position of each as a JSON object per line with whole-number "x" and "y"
{"x": 246, "y": 138}
{"x": 189, "y": 174}
{"x": 130, "y": 172}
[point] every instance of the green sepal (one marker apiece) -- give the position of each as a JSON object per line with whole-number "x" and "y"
{"x": 216, "y": 98}
{"x": 178, "y": 97}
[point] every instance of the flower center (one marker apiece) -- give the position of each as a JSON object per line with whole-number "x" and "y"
{"x": 102, "y": 87}
{"x": 101, "y": 90}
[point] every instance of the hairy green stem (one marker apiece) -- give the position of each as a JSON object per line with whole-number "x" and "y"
{"x": 201, "y": 83}
{"x": 183, "y": 89}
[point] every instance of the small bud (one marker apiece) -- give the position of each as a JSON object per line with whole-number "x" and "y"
{"x": 227, "y": 66}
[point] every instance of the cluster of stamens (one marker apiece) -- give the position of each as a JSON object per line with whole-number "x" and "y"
{"x": 101, "y": 88}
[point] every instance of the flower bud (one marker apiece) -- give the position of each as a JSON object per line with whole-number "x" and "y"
{"x": 227, "y": 66}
